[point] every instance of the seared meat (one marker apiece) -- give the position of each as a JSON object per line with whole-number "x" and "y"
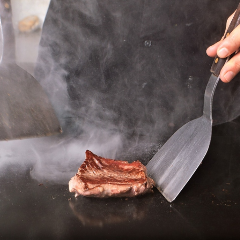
{"x": 102, "y": 177}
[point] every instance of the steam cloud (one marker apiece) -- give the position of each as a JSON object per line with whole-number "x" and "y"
{"x": 54, "y": 159}
{"x": 114, "y": 93}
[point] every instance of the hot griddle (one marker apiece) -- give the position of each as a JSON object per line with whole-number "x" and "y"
{"x": 209, "y": 205}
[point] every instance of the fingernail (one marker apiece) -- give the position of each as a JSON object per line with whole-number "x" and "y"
{"x": 209, "y": 48}
{"x": 223, "y": 52}
{"x": 228, "y": 76}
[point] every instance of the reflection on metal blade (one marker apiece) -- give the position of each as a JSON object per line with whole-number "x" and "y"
{"x": 174, "y": 164}
{"x": 25, "y": 110}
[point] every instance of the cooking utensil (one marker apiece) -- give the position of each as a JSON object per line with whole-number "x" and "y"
{"x": 174, "y": 164}
{"x": 25, "y": 110}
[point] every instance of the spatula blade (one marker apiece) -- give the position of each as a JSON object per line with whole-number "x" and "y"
{"x": 174, "y": 164}
{"x": 25, "y": 110}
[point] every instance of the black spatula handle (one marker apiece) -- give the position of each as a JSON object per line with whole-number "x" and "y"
{"x": 218, "y": 62}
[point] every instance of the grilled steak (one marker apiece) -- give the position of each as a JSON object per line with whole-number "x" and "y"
{"x": 102, "y": 177}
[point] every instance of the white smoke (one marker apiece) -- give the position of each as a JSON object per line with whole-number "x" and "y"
{"x": 86, "y": 122}
{"x": 55, "y": 158}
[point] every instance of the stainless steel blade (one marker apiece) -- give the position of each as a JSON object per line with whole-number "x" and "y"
{"x": 174, "y": 164}
{"x": 25, "y": 110}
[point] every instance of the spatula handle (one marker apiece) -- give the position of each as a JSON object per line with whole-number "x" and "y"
{"x": 218, "y": 62}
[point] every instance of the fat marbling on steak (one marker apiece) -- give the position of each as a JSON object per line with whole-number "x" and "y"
{"x": 102, "y": 177}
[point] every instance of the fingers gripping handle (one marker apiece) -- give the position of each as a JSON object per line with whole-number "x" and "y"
{"x": 218, "y": 62}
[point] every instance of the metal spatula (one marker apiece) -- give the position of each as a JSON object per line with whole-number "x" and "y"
{"x": 25, "y": 110}
{"x": 174, "y": 164}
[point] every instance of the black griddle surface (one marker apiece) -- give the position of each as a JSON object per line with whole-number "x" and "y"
{"x": 207, "y": 208}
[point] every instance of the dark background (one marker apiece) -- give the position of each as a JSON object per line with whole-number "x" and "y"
{"x": 137, "y": 70}
{"x": 134, "y": 68}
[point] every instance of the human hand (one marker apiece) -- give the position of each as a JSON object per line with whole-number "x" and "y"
{"x": 225, "y": 48}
